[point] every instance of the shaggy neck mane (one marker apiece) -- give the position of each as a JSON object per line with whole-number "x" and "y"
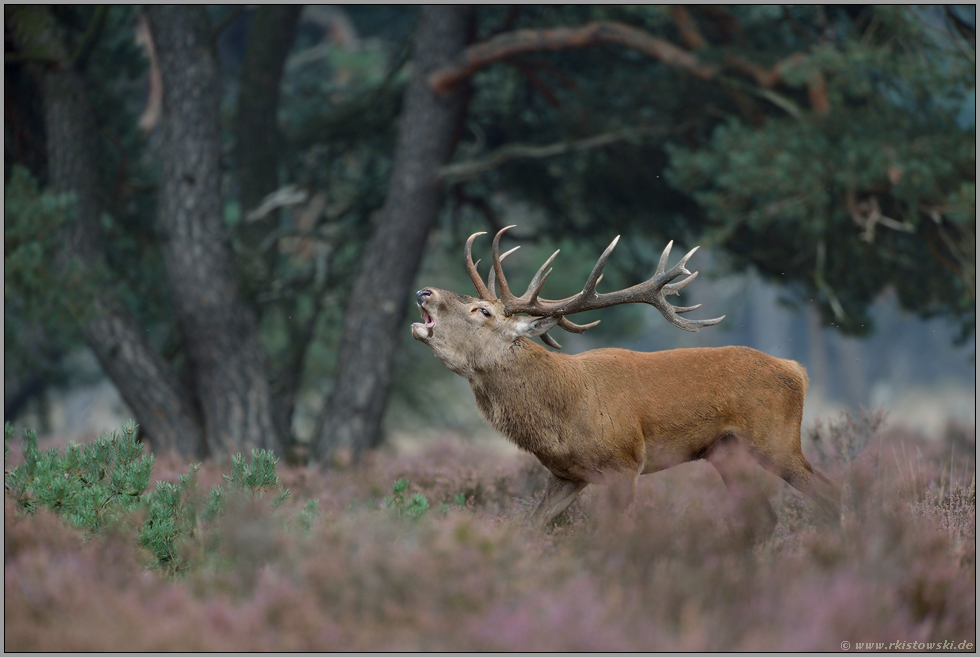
{"x": 527, "y": 397}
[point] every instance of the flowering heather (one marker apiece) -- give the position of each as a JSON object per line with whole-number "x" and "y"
{"x": 679, "y": 574}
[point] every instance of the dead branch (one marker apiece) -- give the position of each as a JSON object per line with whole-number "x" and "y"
{"x": 154, "y": 103}
{"x": 867, "y": 214}
{"x": 281, "y": 198}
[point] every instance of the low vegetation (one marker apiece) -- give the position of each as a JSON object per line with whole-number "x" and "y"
{"x": 108, "y": 549}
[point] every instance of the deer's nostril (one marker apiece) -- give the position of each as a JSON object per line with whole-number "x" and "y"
{"x": 422, "y": 295}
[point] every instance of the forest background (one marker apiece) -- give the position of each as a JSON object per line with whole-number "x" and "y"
{"x": 230, "y": 208}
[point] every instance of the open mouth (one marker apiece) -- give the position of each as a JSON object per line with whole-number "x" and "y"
{"x": 427, "y": 323}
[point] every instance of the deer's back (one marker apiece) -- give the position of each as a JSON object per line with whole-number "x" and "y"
{"x": 682, "y": 400}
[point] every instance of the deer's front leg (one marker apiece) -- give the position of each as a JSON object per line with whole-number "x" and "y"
{"x": 621, "y": 491}
{"x": 558, "y": 494}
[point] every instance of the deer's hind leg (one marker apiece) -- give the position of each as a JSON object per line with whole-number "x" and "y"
{"x": 799, "y": 474}
{"x": 783, "y": 456}
{"x": 735, "y": 465}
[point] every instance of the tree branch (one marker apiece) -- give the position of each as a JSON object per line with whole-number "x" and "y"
{"x": 458, "y": 171}
{"x": 511, "y": 44}
{"x": 519, "y": 42}
{"x": 687, "y": 28}
{"x": 537, "y": 83}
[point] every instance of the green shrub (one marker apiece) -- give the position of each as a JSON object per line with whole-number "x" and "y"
{"x": 172, "y": 514}
{"x": 257, "y": 477}
{"x": 88, "y": 485}
{"x": 403, "y": 505}
{"x": 93, "y": 486}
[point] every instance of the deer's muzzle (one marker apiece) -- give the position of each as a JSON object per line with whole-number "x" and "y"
{"x": 423, "y": 330}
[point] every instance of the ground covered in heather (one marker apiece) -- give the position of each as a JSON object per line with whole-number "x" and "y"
{"x": 444, "y": 564}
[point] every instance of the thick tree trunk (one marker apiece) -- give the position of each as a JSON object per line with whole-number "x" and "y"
{"x": 258, "y": 143}
{"x": 219, "y": 331}
{"x": 257, "y": 136}
{"x": 144, "y": 380}
{"x": 351, "y": 419}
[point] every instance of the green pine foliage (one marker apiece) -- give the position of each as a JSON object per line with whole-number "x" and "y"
{"x": 258, "y": 476}
{"x": 104, "y": 487}
{"x": 310, "y": 512}
{"x": 173, "y": 512}
{"x": 105, "y": 484}
{"x": 88, "y": 485}
{"x": 403, "y": 505}
{"x": 881, "y": 183}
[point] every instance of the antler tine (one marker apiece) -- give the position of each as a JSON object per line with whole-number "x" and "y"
{"x": 492, "y": 278}
{"x": 681, "y": 266}
{"x": 550, "y": 341}
{"x": 656, "y": 289}
{"x": 675, "y": 288}
{"x": 596, "y": 275}
{"x": 692, "y": 325}
{"x": 660, "y": 302}
{"x": 505, "y": 294}
{"x": 531, "y": 304}
{"x": 570, "y": 327}
{"x": 662, "y": 265}
{"x": 481, "y": 289}
{"x": 576, "y": 328}
{"x": 534, "y": 287}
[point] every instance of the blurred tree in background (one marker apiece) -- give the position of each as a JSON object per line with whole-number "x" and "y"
{"x": 229, "y": 206}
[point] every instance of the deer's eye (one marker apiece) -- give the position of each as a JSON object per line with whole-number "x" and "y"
{"x": 486, "y": 313}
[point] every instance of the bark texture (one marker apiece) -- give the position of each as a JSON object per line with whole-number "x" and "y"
{"x": 145, "y": 381}
{"x": 256, "y": 127}
{"x": 219, "y": 331}
{"x": 351, "y": 420}
{"x": 258, "y": 142}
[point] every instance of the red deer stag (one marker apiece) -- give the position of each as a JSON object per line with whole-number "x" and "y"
{"x": 610, "y": 415}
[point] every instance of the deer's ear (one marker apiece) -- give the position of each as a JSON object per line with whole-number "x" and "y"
{"x": 532, "y": 327}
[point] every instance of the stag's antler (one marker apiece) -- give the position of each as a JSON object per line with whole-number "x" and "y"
{"x": 481, "y": 288}
{"x": 653, "y": 291}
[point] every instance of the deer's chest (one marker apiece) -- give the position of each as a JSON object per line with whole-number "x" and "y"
{"x": 562, "y": 438}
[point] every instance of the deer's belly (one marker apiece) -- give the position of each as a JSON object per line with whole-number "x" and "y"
{"x": 595, "y": 464}
{"x": 661, "y": 457}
